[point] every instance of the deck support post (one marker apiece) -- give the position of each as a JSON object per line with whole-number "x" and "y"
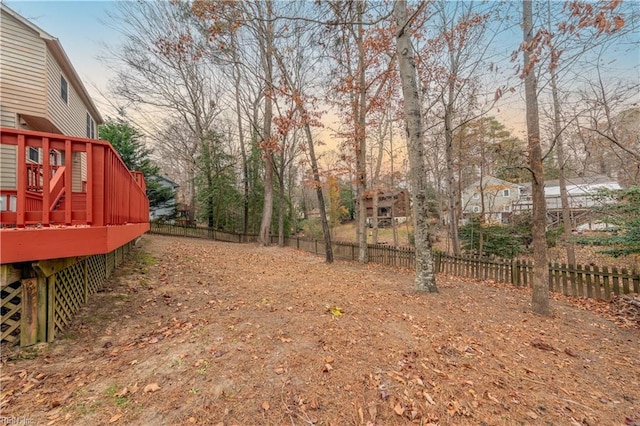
{"x": 29, "y": 314}
{"x": 46, "y": 271}
{"x": 9, "y": 274}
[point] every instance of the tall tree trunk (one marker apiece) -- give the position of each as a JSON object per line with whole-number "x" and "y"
{"x": 394, "y": 225}
{"x": 360, "y": 138}
{"x": 328, "y": 249}
{"x": 281, "y": 200}
{"x": 564, "y": 196}
{"x": 267, "y": 209}
{"x": 375, "y": 187}
{"x": 314, "y": 165}
{"x": 482, "y": 213}
{"x": 540, "y": 294}
{"x": 559, "y": 141}
{"x": 375, "y": 200}
{"x": 243, "y": 148}
{"x": 425, "y": 276}
{"x": 453, "y": 197}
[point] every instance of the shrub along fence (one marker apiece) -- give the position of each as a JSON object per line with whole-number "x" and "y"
{"x": 579, "y": 281}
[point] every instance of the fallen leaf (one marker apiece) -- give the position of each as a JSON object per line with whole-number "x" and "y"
{"x": 398, "y": 409}
{"x": 373, "y": 411}
{"x": 314, "y": 404}
{"x": 533, "y": 415}
{"x": 122, "y": 393}
{"x": 542, "y": 345}
{"x": 152, "y": 387}
{"x": 428, "y": 398}
{"x": 265, "y": 406}
{"x": 491, "y": 397}
{"x": 570, "y": 353}
{"x": 115, "y": 418}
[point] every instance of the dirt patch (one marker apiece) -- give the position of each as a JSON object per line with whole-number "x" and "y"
{"x": 202, "y": 332}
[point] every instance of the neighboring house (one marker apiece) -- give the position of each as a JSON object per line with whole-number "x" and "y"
{"x": 580, "y": 192}
{"x": 497, "y": 196}
{"x": 392, "y": 205}
{"x": 168, "y": 208}
{"x": 41, "y": 91}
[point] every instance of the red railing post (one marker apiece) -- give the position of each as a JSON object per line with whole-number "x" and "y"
{"x": 98, "y": 185}
{"x": 89, "y": 195}
{"x": 21, "y": 182}
{"x": 46, "y": 182}
{"x": 68, "y": 182}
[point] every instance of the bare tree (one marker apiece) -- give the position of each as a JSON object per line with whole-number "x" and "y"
{"x": 165, "y": 71}
{"x": 540, "y": 294}
{"x": 425, "y": 276}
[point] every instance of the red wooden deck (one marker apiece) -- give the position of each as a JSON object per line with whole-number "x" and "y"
{"x": 55, "y": 211}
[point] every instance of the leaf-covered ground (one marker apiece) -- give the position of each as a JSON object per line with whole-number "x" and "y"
{"x": 202, "y": 332}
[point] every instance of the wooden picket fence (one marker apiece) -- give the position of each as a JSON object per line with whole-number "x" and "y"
{"x": 579, "y": 281}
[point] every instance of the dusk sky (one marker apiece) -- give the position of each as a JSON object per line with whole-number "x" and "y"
{"x": 82, "y": 28}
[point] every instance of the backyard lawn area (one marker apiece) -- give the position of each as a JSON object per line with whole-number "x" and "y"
{"x": 200, "y": 332}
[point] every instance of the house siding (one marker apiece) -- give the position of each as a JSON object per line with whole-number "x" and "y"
{"x": 30, "y": 85}
{"x": 495, "y": 202}
{"x": 70, "y": 116}
{"x": 22, "y": 77}
{"x": 8, "y": 166}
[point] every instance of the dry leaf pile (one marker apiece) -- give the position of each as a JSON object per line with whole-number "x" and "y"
{"x": 227, "y": 334}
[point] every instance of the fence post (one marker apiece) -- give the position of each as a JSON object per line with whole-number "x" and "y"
{"x": 572, "y": 280}
{"x": 579, "y": 280}
{"x": 588, "y": 281}
{"x": 596, "y": 282}
{"x": 625, "y": 280}
{"x": 605, "y": 279}
{"x": 616, "y": 282}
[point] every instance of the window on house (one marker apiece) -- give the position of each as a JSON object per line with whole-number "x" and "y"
{"x": 33, "y": 154}
{"x": 506, "y": 193}
{"x": 476, "y": 209}
{"x": 506, "y": 208}
{"x": 476, "y": 195}
{"x": 91, "y": 127}
{"x": 64, "y": 89}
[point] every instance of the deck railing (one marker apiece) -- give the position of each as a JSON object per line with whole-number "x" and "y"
{"x": 91, "y": 186}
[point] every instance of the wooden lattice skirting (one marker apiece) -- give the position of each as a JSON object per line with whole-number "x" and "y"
{"x": 40, "y": 308}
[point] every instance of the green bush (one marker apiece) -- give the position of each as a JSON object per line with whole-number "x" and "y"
{"x": 497, "y": 240}
{"x": 553, "y": 235}
{"x": 312, "y": 228}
